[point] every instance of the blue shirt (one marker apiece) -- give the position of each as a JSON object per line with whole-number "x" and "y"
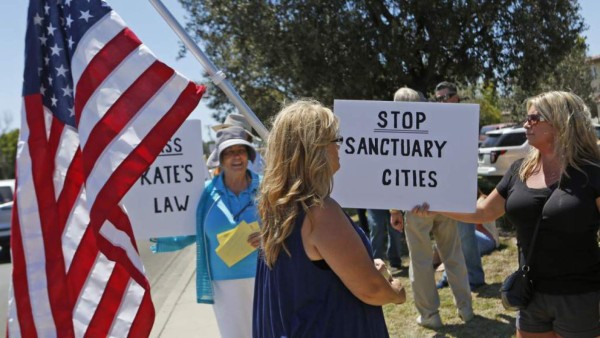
{"x": 213, "y": 191}
{"x": 303, "y": 298}
{"x": 225, "y": 212}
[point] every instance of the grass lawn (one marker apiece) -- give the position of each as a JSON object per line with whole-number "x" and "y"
{"x": 491, "y": 320}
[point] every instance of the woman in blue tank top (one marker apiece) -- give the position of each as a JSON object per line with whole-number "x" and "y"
{"x": 315, "y": 276}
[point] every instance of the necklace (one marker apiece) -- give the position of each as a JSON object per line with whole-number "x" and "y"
{"x": 229, "y": 205}
{"x": 552, "y": 175}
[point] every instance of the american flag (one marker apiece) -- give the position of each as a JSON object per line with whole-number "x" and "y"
{"x": 97, "y": 110}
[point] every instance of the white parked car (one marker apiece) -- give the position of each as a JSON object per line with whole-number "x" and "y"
{"x": 7, "y": 190}
{"x": 6, "y": 203}
{"x": 5, "y": 216}
{"x": 500, "y": 149}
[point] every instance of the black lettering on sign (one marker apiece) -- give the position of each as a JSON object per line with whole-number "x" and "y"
{"x": 409, "y": 178}
{"x": 383, "y": 119}
{"x": 177, "y": 145}
{"x": 168, "y": 174}
{"x": 406, "y": 120}
{"x": 144, "y": 179}
{"x": 170, "y": 204}
{"x": 385, "y": 179}
{"x": 188, "y": 170}
{"x": 172, "y": 146}
{"x": 349, "y": 149}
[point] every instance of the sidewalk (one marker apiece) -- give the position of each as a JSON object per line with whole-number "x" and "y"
{"x": 174, "y": 295}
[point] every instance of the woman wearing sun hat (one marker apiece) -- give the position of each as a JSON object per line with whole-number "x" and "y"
{"x": 238, "y": 120}
{"x": 227, "y": 201}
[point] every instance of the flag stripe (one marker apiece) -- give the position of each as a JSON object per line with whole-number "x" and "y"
{"x": 108, "y": 305}
{"x": 23, "y": 324}
{"x": 142, "y": 324}
{"x": 75, "y": 229}
{"x": 12, "y": 322}
{"x": 70, "y": 192}
{"x": 122, "y": 243}
{"x": 129, "y": 170}
{"x": 127, "y": 311}
{"x": 102, "y": 65}
{"x": 93, "y": 41}
{"x": 83, "y": 261}
{"x": 87, "y": 303}
{"x": 67, "y": 148}
{"x": 33, "y": 242}
{"x": 132, "y": 67}
{"x": 42, "y": 164}
{"x": 139, "y": 127}
{"x": 54, "y": 137}
{"x": 121, "y": 112}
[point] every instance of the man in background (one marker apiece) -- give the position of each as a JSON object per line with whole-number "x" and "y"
{"x": 446, "y": 92}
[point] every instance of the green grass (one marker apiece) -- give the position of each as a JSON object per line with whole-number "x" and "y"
{"x": 491, "y": 320}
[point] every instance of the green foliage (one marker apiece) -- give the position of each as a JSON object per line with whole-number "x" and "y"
{"x": 489, "y": 103}
{"x": 8, "y": 152}
{"x": 273, "y": 51}
{"x": 571, "y": 74}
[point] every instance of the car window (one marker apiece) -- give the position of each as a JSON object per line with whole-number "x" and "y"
{"x": 514, "y": 139}
{"x": 6, "y": 194}
{"x": 485, "y": 129}
{"x": 5, "y": 213}
{"x": 504, "y": 140}
{"x": 491, "y": 140}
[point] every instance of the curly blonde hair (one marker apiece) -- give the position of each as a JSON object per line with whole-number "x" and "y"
{"x": 575, "y": 135}
{"x": 297, "y": 172}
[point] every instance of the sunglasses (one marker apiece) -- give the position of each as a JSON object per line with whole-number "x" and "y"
{"x": 338, "y": 141}
{"x": 444, "y": 98}
{"x": 534, "y": 119}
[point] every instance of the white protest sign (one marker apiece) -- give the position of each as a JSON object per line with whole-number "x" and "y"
{"x": 396, "y": 155}
{"x": 163, "y": 201}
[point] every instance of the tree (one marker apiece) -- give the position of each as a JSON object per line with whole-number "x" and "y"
{"x": 274, "y": 51}
{"x": 485, "y": 95}
{"x": 8, "y": 153}
{"x": 572, "y": 74}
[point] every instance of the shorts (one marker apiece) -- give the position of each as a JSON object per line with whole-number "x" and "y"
{"x": 567, "y": 315}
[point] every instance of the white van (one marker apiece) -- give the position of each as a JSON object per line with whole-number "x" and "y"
{"x": 7, "y": 190}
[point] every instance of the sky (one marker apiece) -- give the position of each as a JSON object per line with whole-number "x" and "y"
{"x": 149, "y": 26}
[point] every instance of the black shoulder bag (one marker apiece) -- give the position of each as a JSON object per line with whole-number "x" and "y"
{"x": 517, "y": 289}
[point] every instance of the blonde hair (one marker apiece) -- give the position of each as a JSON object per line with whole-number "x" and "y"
{"x": 575, "y": 135}
{"x": 297, "y": 172}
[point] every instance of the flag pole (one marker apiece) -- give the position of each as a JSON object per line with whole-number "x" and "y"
{"x": 217, "y": 76}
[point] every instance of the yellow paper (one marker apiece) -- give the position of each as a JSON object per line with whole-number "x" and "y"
{"x": 236, "y": 246}
{"x": 224, "y": 236}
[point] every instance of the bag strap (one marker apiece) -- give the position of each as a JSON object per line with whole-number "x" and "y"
{"x": 526, "y": 267}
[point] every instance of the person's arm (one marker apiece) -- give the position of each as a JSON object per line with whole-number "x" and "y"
{"x": 327, "y": 234}
{"x": 487, "y": 210}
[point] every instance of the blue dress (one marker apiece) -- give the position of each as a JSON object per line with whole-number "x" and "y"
{"x": 304, "y": 298}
